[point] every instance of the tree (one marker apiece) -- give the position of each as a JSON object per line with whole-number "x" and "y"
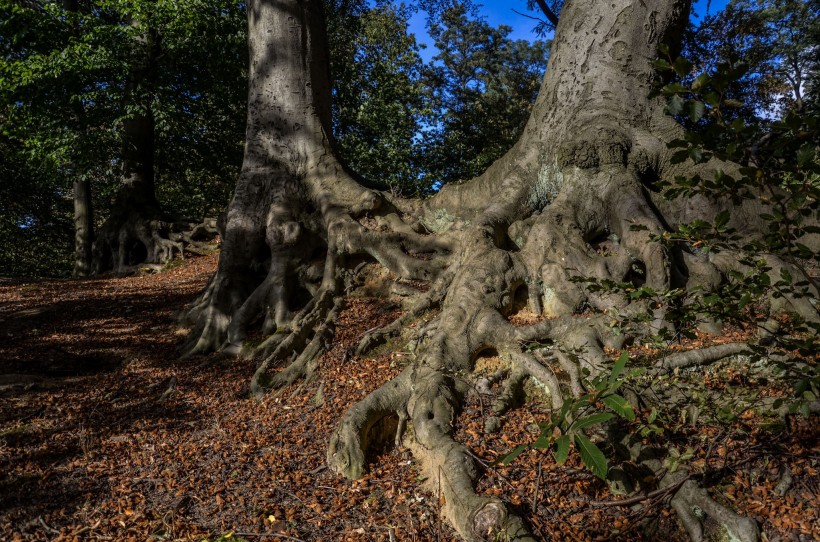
{"x": 35, "y": 228}
{"x": 776, "y": 39}
{"x": 483, "y": 85}
{"x": 98, "y": 92}
{"x": 378, "y": 94}
{"x": 49, "y": 52}
{"x": 139, "y": 230}
{"x": 574, "y": 195}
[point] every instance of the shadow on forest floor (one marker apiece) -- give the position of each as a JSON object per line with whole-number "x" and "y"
{"x": 105, "y": 434}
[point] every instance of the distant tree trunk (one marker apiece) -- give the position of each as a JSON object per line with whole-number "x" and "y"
{"x": 83, "y": 210}
{"x": 138, "y": 231}
{"x": 83, "y": 227}
{"x": 138, "y": 141}
{"x": 301, "y": 231}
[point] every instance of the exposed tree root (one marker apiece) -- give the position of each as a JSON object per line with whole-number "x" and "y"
{"x": 144, "y": 238}
{"x": 701, "y": 356}
{"x": 570, "y": 200}
{"x": 705, "y": 519}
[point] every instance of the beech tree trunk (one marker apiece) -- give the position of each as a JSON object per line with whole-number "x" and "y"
{"x": 83, "y": 228}
{"x": 83, "y": 210}
{"x": 138, "y": 232}
{"x": 300, "y": 229}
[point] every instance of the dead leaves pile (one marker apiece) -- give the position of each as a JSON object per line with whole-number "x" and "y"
{"x": 106, "y": 435}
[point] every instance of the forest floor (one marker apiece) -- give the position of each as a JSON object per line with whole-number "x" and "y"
{"x": 106, "y": 435}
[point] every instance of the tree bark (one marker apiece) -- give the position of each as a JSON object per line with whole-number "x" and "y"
{"x": 300, "y": 228}
{"x": 138, "y": 231}
{"x": 83, "y": 210}
{"x": 83, "y": 228}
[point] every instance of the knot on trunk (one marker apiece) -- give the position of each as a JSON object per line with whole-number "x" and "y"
{"x": 593, "y": 148}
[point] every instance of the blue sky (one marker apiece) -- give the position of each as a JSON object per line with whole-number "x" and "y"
{"x": 501, "y": 12}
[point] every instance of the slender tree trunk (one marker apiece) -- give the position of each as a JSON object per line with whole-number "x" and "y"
{"x": 83, "y": 210}
{"x": 83, "y": 227}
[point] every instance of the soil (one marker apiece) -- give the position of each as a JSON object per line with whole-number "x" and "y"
{"x": 106, "y": 435}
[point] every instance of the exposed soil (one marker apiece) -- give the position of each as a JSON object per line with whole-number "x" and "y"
{"x": 106, "y": 435}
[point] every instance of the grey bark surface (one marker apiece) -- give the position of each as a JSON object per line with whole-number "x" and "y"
{"x": 577, "y": 177}
{"x": 83, "y": 228}
{"x": 138, "y": 233}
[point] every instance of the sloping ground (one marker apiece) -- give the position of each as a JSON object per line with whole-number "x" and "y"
{"x": 106, "y": 435}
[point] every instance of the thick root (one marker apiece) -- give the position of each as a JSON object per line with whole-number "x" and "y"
{"x": 316, "y": 320}
{"x": 701, "y": 356}
{"x": 346, "y": 451}
{"x": 426, "y": 398}
{"x": 708, "y": 521}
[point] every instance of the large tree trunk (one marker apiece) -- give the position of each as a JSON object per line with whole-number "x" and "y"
{"x": 580, "y": 174}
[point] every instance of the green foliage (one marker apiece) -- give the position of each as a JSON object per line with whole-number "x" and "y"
{"x": 71, "y": 74}
{"x": 776, "y": 39}
{"x": 64, "y": 95}
{"x": 482, "y": 85}
{"x": 566, "y": 427}
{"x": 379, "y": 99}
{"x": 412, "y": 126}
{"x": 35, "y": 229}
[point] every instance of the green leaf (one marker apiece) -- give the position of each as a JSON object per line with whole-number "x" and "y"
{"x": 620, "y": 406}
{"x": 682, "y": 66}
{"x": 696, "y": 155}
{"x": 618, "y": 368}
{"x": 510, "y": 457}
{"x": 561, "y": 449}
{"x": 721, "y": 219}
{"x": 679, "y": 157}
{"x": 696, "y": 110}
{"x": 542, "y": 442}
{"x": 662, "y": 65}
{"x": 674, "y": 88}
{"x": 592, "y": 456}
{"x": 675, "y": 105}
{"x": 700, "y": 81}
{"x": 712, "y": 98}
{"x": 594, "y": 419}
{"x": 805, "y": 155}
{"x": 784, "y": 273}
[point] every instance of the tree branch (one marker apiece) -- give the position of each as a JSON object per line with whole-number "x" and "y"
{"x": 551, "y": 17}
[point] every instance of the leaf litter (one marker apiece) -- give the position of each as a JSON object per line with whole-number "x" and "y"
{"x": 106, "y": 435}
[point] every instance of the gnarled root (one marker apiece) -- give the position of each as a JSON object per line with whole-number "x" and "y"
{"x": 148, "y": 238}
{"x": 599, "y": 228}
{"x": 705, "y": 520}
{"x": 428, "y": 301}
{"x": 316, "y": 319}
{"x": 346, "y": 451}
{"x": 427, "y": 398}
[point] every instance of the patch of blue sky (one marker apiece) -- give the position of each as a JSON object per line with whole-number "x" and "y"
{"x": 515, "y": 15}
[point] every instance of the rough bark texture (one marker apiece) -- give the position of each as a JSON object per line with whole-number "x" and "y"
{"x": 578, "y": 179}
